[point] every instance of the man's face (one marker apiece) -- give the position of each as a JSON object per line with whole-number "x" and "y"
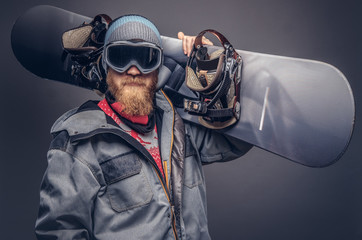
{"x": 134, "y": 90}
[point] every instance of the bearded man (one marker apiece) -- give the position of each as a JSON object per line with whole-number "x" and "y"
{"x": 128, "y": 167}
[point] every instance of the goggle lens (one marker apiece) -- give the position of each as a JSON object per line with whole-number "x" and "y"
{"x": 121, "y": 57}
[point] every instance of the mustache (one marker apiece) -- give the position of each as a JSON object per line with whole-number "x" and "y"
{"x": 133, "y": 80}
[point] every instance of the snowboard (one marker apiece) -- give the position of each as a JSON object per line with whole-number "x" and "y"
{"x": 302, "y": 110}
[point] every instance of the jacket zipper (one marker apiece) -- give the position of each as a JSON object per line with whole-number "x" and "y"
{"x": 173, "y": 125}
{"x": 170, "y": 156}
{"x": 172, "y": 209}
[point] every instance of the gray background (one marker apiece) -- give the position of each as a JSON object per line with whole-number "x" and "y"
{"x": 260, "y": 196}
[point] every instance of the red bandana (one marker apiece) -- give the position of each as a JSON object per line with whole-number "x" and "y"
{"x": 135, "y": 119}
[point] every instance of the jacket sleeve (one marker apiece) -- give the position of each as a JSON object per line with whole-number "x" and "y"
{"x": 67, "y": 194}
{"x": 214, "y": 146}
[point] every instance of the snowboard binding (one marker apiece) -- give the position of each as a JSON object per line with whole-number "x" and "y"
{"x": 216, "y": 82}
{"x": 84, "y": 44}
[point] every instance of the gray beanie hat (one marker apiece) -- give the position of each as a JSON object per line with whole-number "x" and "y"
{"x": 131, "y": 27}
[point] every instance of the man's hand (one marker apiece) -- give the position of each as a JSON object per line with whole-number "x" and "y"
{"x": 188, "y": 42}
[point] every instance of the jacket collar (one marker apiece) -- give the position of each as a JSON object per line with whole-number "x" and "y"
{"x": 89, "y": 117}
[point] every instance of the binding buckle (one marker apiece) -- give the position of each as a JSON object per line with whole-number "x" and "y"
{"x": 195, "y": 106}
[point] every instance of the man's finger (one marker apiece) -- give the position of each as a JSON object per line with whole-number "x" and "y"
{"x": 206, "y": 41}
{"x": 190, "y": 45}
{"x": 180, "y": 35}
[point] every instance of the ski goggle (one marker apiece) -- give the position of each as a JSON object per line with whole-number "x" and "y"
{"x": 121, "y": 55}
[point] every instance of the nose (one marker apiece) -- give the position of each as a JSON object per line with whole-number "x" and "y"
{"x": 133, "y": 70}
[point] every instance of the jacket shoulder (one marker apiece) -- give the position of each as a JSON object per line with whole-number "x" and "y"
{"x": 60, "y": 141}
{"x": 83, "y": 119}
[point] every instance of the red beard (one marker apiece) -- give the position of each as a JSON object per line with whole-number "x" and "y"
{"x": 135, "y": 93}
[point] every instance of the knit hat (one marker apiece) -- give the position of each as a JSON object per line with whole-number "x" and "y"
{"x": 130, "y": 27}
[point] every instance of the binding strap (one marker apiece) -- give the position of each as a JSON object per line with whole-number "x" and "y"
{"x": 84, "y": 45}
{"x": 216, "y": 82}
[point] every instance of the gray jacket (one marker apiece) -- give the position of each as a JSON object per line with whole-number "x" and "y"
{"x": 102, "y": 184}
